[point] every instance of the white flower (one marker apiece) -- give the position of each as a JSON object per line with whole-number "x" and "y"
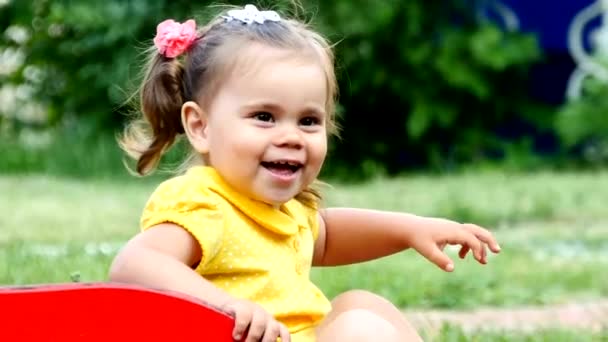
{"x": 251, "y": 14}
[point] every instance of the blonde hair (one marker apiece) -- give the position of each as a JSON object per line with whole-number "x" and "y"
{"x": 169, "y": 82}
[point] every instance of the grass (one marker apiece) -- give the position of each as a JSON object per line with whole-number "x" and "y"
{"x": 53, "y": 227}
{"x": 520, "y": 275}
{"x": 491, "y": 198}
{"x": 552, "y": 228}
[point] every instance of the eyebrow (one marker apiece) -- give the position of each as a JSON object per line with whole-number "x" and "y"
{"x": 273, "y": 107}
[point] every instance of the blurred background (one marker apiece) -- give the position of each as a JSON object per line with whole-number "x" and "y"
{"x": 486, "y": 111}
{"x": 434, "y": 85}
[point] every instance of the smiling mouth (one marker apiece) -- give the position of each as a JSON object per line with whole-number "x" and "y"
{"x": 282, "y": 167}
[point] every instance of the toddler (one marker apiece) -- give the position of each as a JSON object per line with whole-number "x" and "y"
{"x": 254, "y": 94}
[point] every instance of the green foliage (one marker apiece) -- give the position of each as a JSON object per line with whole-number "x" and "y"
{"x": 581, "y": 123}
{"x": 87, "y": 52}
{"x": 422, "y": 82}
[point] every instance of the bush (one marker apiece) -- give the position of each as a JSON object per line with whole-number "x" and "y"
{"x": 424, "y": 83}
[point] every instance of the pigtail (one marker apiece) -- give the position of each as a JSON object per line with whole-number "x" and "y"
{"x": 160, "y": 99}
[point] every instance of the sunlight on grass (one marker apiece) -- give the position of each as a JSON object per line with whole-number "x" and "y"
{"x": 62, "y": 210}
{"x": 489, "y": 198}
{"x": 21, "y": 264}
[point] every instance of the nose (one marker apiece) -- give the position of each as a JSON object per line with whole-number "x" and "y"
{"x": 289, "y": 137}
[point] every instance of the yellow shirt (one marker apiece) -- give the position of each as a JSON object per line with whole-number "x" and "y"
{"x": 249, "y": 249}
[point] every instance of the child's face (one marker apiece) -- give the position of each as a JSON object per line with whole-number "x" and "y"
{"x": 266, "y": 127}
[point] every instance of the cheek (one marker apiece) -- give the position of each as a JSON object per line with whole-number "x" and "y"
{"x": 231, "y": 136}
{"x": 244, "y": 144}
{"x": 319, "y": 147}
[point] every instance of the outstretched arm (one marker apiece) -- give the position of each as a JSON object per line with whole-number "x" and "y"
{"x": 349, "y": 236}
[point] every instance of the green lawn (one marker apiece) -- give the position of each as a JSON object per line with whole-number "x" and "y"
{"x": 553, "y": 230}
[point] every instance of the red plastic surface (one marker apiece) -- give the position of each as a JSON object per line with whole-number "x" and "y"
{"x": 107, "y": 312}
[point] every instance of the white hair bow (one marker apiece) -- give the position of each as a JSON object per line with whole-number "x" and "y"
{"x": 251, "y": 14}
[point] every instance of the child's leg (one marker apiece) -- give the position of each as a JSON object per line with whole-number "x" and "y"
{"x": 363, "y": 316}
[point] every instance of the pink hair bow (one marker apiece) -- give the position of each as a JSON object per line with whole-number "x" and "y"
{"x": 172, "y": 38}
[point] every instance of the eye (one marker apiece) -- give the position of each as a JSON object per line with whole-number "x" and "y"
{"x": 310, "y": 121}
{"x": 263, "y": 116}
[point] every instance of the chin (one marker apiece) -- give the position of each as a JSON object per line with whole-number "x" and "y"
{"x": 275, "y": 197}
{"x": 278, "y": 200}
{"x": 274, "y": 201}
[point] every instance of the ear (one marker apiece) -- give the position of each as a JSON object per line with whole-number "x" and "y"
{"x": 194, "y": 120}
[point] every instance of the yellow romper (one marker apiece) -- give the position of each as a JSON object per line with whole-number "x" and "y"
{"x": 249, "y": 249}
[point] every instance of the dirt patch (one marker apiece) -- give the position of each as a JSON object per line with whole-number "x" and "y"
{"x": 588, "y": 316}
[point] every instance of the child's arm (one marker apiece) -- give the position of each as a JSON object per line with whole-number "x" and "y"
{"x": 354, "y": 235}
{"x": 161, "y": 258}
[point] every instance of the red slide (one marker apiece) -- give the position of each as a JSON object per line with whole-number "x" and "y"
{"x": 107, "y": 312}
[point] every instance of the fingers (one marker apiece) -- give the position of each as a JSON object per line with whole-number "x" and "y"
{"x": 254, "y": 323}
{"x": 484, "y": 235}
{"x": 463, "y": 252}
{"x": 274, "y": 330}
{"x": 470, "y": 241}
{"x": 284, "y": 333}
{"x": 437, "y": 256}
{"x": 242, "y": 318}
{"x": 482, "y": 238}
{"x": 469, "y": 236}
{"x": 257, "y": 328}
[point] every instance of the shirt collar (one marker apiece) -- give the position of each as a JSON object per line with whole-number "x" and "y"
{"x": 286, "y": 220}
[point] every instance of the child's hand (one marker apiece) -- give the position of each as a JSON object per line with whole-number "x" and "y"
{"x": 430, "y": 240}
{"x": 252, "y": 321}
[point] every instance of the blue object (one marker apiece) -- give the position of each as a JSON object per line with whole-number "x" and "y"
{"x": 550, "y": 19}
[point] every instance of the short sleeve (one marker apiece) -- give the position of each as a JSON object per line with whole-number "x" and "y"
{"x": 313, "y": 221}
{"x": 305, "y": 215}
{"x": 195, "y": 210}
{"x": 312, "y": 215}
